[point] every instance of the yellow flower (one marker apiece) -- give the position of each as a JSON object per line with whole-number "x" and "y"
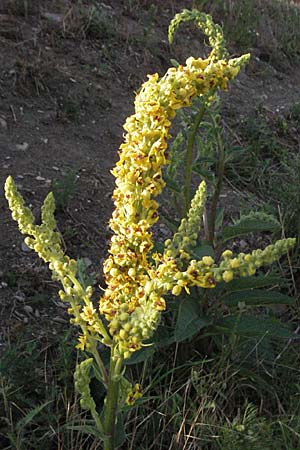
{"x": 227, "y": 276}
{"x": 81, "y": 342}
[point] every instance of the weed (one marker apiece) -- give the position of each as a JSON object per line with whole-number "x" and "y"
{"x": 22, "y": 7}
{"x": 64, "y": 189}
{"x": 32, "y": 73}
{"x": 90, "y": 21}
{"x": 69, "y": 109}
{"x": 45, "y": 409}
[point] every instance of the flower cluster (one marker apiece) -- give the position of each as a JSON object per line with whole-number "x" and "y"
{"x": 46, "y": 242}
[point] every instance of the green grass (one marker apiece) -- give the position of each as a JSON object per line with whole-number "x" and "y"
{"x": 38, "y": 406}
{"x": 237, "y": 396}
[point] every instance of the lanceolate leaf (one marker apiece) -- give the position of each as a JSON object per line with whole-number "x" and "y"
{"x": 22, "y": 423}
{"x": 249, "y": 225}
{"x": 257, "y": 298}
{"x": 86, "y": 429}
{"x": 254, "y": 282}
{"x": 255, "y": 326}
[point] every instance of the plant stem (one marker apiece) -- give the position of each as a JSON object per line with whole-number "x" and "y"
{"x": 189, "y": 157}
{"x": 111, "y": 404}
{"x": 101, "y": 367}
{"x": 215, "y": 198}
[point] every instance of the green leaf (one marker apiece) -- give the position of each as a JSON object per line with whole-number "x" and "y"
{"x": 171, "y": 184}
{"x": 257, "y": 298}
{"x": 171, "y": 224}
{"x": 220, "y": 217}
{"x": 204, "y": 173}
{"x": 257, "y": 326}
{"x": 140, "y": 355}
{"x": 86, "y": 429}
{"x": 163, "y": 337}
{"x": 120, "y": 435}
{"x": 203, "y": 249}
{"x": 22, "y": 423}
{"x": 189, "y": 321}
{"x": 234, "y": 153}
{"x": 247, "y": 225}
{"x": 174, "y": 62}
{"x": 254, "y": 282}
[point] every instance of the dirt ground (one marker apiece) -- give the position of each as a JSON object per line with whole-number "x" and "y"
{"x": 67, "y": 83}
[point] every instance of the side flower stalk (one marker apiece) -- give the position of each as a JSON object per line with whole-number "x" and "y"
{"x": 137, "y": 278}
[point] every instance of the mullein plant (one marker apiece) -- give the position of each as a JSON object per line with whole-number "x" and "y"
{"x": 137, "y": 277}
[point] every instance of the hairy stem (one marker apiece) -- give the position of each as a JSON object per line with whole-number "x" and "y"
{"x": 220, "y": 176}
{"x": 101, "y": 366}
{"x": 189, "y": 157}
{"x": 111, "y": 404}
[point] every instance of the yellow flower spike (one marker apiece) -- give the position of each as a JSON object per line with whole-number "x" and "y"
{"x": 188, "y": 230}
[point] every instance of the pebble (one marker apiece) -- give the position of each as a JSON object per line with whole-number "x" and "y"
{"x": 25, "y": 247}
{"x": 59, "y": 320}
{"x": 19, "y": 296}
{"x": 86, "y": 261}
{"x": 28, "y": 309}
{"x": 23, "y": 147}
{"x": 54, "y": 17}
{"x": 3, "y": 123}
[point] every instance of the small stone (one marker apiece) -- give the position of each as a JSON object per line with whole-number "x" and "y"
{"x": 53, "y": 17}
{"x": 243, "y": 244}
{"x": 19, "y": 296}
{"x": 59, "y": 320}
{"x": 23, "y": 147}
{"x": 37, "y": 313}
{"x": 63, "y": 305}
{"x": 3, "y": 284}
{"x": 28, "y": 309}
{"x": 25, "y": 320}
{"x": 25, "y": 248}
{"x": 3, "y": 123}
{"x": 39, "y": 178}
{"x": 86, "y": 261}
